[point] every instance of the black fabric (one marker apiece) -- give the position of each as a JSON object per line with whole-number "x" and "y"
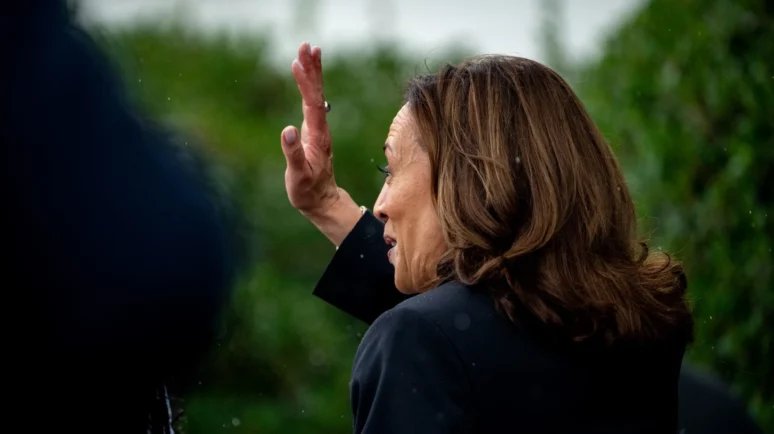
{"x": 116, "y": 259}
{"x": 409, "y": 378}
{"x": 409, "y": 367}
{"x": 446, "y": 362}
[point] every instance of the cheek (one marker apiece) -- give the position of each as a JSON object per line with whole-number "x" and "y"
{"x": 424, "y": 243}
{"x": 432, "y": 241}
{"x": 409, "y": 205}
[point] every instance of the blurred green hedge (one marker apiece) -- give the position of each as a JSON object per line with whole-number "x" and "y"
{"x": 683, "y": 92}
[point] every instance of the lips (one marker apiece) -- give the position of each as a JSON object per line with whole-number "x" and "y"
{"x": 390, "y": 242}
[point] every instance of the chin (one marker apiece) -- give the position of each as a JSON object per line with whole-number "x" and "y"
{"x": 404, "y": 289}
{"x": 403, "y": 286}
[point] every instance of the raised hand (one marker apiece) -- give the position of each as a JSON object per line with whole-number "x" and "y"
{"x": 309, "y": 179}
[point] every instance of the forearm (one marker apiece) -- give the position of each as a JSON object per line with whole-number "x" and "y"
{"x": 338, "y": 220}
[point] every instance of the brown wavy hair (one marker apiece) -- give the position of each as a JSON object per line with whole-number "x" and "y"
{"x": 534, "y": 206}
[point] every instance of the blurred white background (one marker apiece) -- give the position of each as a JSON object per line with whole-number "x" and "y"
{"x": 482, "y": 26}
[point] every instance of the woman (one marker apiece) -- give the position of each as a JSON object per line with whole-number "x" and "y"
{"x": 526, "y": 303}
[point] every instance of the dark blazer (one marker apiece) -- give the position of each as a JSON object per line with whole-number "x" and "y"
{"x": 446, "y": 362}
{"x": 116, "y": 260}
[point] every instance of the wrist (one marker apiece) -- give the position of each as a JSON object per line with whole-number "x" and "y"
{"x": 337, "y": 219}
{"x": 330, "y": 207}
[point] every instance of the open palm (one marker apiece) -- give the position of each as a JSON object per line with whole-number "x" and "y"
{"x": 309, "y": 179}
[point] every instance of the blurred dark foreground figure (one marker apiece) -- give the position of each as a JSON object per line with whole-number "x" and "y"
{"x": 116, "y": 259}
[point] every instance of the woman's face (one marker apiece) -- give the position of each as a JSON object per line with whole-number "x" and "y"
{"x": 405, "y": 204}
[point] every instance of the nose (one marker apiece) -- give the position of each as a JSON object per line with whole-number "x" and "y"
{"x": 380, "y": 208}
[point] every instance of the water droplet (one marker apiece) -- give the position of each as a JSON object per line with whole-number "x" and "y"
{"x": 358, "y": 334}
{"x": 518, "y": 160}
{"x": 235, "y": 81}
{"x": 473, "y": 364}
{"x": 372, "y": 160}
{"x": 139, "y": 80}
{"x": 236, "y": 422}
{"x": 710, "y": 316}
{"x": 750, "y": 211}
{"x": 361, "y": 256}
{"x": 169, "y": 99}
{"x": 302, "y": 411}
{"x": 725, "y": 150}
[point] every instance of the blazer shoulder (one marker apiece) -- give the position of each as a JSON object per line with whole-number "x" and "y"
{"x": 454, "y": 308}
{"x": 406, "y": 364}
{"x": 431, "y": 307}
{"x": 444, "y": 299}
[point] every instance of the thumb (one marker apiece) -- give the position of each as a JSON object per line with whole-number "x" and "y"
{"x": 291, "y": 147}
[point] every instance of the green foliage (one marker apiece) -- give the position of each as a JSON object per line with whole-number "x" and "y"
{"x": 685, "y": 93}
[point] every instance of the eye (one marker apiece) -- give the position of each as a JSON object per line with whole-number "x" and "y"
{"x": 385, "y": 170}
